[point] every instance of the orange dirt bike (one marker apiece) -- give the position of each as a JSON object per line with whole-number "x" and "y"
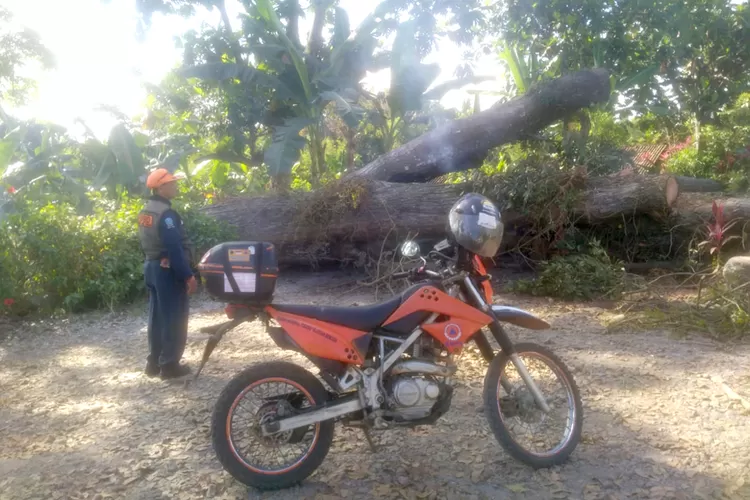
{"x": 385, "y": 366}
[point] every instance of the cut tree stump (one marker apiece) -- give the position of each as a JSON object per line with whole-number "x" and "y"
{"x": 614, "y": 196}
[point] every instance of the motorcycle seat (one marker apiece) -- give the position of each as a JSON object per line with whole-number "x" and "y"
{"x": 362, "y": 318}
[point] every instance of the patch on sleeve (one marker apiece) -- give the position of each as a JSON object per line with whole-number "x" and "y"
{"x": 146, "y": 220}
{"x": 169, "y": 222}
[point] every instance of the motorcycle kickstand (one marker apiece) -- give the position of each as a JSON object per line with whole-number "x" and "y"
{"x": 366, "y": 424}
{"x": 366, "y": 430}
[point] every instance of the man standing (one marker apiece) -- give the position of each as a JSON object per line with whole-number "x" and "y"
{"x": 168, "y": 276}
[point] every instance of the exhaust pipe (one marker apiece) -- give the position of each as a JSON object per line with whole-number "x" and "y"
{"x": 416, "y": 366}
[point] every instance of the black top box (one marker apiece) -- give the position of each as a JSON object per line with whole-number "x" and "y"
{"x": 241, "y": 271}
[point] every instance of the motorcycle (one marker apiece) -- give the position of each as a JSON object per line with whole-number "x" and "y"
{"x": 386, "y": 365}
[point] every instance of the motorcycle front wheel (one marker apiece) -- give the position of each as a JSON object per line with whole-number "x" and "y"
{"x": 520, "y": 426}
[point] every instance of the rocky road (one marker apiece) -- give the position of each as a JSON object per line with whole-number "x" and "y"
{"x": 78, "y": 419}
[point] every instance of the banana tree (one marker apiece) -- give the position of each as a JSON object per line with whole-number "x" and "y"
{"x": 38, "y": 160}
{"x": 320, "y": 78}
{"x": 302, "y": 83}
{"x": 411, "y": 90}
{"x": 42, "y": 162}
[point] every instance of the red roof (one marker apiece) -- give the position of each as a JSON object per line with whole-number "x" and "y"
{"x": 645, "y": 156}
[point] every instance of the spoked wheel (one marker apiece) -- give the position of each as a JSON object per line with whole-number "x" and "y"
{"x": 259, "y": 395}
{"x": 522, "y": 428}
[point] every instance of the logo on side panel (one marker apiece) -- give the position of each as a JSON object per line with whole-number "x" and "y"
{"x": 452, "y": 332}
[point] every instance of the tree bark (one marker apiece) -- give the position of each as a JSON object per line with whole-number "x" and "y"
{"x": 329, "y": 223}
{"x": 237, "y": 51}
{"x": 613, "y": 196}
{"x": 696, "y": 185}
{"x": 448, "y": 148}
{"x": 694, "y": 210}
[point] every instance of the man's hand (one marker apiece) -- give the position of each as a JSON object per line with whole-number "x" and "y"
{"x": 192, "y": 285}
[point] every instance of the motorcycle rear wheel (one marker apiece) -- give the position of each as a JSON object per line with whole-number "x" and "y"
{"x": 501, "y": 407}
{"x": 304, "y": 387}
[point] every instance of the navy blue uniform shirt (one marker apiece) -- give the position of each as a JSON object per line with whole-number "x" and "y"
{"x": 169, "y": 231}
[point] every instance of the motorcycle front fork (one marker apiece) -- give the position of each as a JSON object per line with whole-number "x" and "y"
{"x": 503, "y": 340}
{"x": 488, "y": 354}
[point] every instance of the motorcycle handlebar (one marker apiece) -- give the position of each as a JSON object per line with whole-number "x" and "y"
{"x": 416, "y": 273}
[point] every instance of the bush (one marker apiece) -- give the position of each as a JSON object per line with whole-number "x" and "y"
{"x": 588, "y": 275}
{"x": 53, "y": 259}
{"x": 724, "y": 156}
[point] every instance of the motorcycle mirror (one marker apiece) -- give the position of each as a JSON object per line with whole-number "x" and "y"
{"x": 409, "y": 249}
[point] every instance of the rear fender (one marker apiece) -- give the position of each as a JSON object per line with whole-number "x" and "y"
{"x": 519, "y": 317}
{"x": 321, "y": 339}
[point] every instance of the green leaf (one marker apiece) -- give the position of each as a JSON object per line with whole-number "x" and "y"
{"x": 219, "y": 71}
{"x": 346, "y": 109}
{"x": 130, "y": 162}
{"x": 274, "y": 55}
{"x": 246, "y": 74}
{"x": 408, "y": 86}
{"x": 265, "y": 9}
{"x": 284, "y": 150}
{"x": 517, "y": 67}
{"x": 141, "y": 140}
{"x": 640, "y": 78}
{"x": 7, "y": 148}
{"x": 341, "y": 27}
{"x": 220, "y": 174}
{"x": 107, "y": 168}
{"x": 201, "y": 166}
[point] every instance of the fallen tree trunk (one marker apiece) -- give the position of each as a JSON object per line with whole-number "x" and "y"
{"x": 697, "y": 185}
{"x": 694, "y": 210}
{"x": 354, "y": 214}
{"x": 614, "y": 196}
{"x": 462, "y": 144}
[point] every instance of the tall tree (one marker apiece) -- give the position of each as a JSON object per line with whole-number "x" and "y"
{"x": 292, "y": 83}
{"x": 18, "y": 47}
{"x": 692, "y": 56}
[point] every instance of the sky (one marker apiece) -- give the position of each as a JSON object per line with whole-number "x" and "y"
{"x": 100, "y": 61}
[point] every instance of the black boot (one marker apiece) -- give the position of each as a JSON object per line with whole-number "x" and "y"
{"x": 152, "y": 369}
{"x": 174, "y": 370}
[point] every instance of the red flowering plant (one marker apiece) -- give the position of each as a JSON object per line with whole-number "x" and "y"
{"x": 6, "y": 306}
{"x": 717, "y": 231}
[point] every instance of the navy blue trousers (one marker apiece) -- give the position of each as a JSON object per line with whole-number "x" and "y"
{"x": 167, "y": 314}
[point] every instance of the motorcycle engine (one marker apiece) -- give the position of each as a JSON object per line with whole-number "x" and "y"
{"x": 413, "y": 397}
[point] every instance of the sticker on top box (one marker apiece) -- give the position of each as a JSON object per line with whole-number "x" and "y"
{"x": 239, "y": 255}
{"x": 245, "y": 282}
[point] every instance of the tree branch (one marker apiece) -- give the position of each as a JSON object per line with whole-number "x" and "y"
{"x": 292, "y": 25}
{"x": 236, "y": 49}
{"x": 315, "y": 42}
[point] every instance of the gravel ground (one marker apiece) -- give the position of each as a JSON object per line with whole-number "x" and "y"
{"x": 78, "y": 419}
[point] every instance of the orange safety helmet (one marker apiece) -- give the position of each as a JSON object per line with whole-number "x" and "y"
{"x": 159, "y": 177}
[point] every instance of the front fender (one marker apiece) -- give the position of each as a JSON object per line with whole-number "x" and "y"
{"x": 519, "y": 317}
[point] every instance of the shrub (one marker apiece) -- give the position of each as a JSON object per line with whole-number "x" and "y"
{"x": 588, "y": 275}
{"x": 54, "y": 259}
{"x": 724, "y": 156}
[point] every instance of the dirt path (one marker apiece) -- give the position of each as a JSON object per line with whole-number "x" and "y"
{"x": 79, "y": 420}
